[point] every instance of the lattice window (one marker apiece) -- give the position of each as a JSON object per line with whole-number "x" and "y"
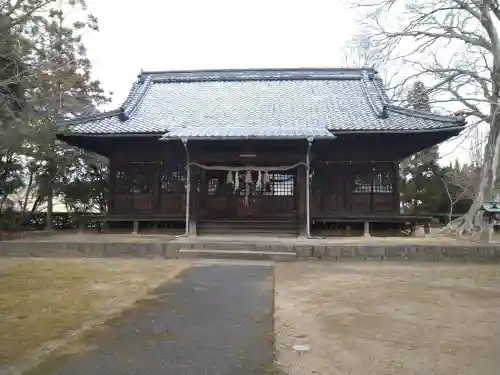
{"x": 362, "y": 186}
{"x": 173, "y": 179}
{"x": 143, "y": 178}
{"x": 282, "y": 183}
{"x": 279, "y": 184}
{"x": 382, "y": 183}
{"x": 123, "y": 180}
{"x": 134, "y": 178}
{"x": 373, "y": 181}
{"x": 213, "y": 184}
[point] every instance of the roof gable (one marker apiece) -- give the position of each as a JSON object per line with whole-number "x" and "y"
{"x": 259, "y": 103}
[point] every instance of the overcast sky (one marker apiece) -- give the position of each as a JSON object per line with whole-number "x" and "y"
{"x": 201, "y": 34}
{"x": 211, "y": 34}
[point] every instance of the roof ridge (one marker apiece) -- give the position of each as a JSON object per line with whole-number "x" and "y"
{"x": 242, "y": 70}
{"x": 257, "y": 74}
{"x": 424, "y": 115}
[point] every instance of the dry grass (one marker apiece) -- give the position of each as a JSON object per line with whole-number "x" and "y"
{"x": 43, "y": 299}
{"x": 111, "y": 236}
{"x": 386, "y": 318}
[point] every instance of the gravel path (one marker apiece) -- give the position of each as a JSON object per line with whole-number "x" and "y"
{"x": 217, "y": 319}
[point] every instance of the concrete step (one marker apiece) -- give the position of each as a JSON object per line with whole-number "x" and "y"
{"x": 276, "y": 256}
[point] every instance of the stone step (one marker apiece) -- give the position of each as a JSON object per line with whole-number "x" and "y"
{"x": 260, "y": 246}
{"x": 247, "y": 231}
{"x": 276, "y": 256}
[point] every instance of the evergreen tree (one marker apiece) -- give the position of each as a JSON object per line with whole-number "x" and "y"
{"x": 418, "y": 98}
{"x": 45, "y": 75}
{"x": 418, "y": 170}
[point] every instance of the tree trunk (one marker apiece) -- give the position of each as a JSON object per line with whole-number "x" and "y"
{"x": 472, "y": 220}
{"x": 34, "y": 207}
{"x": 50, "y": 197}
{"x": 26, "y": 197}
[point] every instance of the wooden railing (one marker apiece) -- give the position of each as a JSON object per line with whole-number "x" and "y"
{"x": 165, "y": 204}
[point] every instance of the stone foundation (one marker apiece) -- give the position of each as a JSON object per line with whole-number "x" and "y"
{"x": 402, "y": 253}
{"x": 459, "y": 252}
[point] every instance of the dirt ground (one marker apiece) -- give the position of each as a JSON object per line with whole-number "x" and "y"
{"x": 388, "y": 318}
{"x": 44, "y": 302}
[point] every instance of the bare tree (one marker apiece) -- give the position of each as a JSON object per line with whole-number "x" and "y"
{"x": 454, "y": 47}
{"x": 360, "y": 52}
{"x": 460, "y": 183}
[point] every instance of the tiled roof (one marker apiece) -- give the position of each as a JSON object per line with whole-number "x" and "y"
{"x": 259, "y": 103}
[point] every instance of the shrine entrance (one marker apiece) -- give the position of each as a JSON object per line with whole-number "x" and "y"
{"x": 252, "y": 194}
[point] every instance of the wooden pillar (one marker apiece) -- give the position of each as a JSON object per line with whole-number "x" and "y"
{"x": 193, "y": 201}
{"x": 395, "y": 189}
{"x": 202, "y": 195}
{"x": 81, "y": 224}
{"x": 301, "y": 200}
{"x": 427, "y": 227}
{"x": 156, "y": 176}
{"x": 112, "y": 185}
{"x": 367, "y": 229}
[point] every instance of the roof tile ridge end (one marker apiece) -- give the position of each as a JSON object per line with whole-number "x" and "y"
{"x": 379, "y": 112}
{"x": 383, "y": 95}
{"x": 137, "y": 94}
{"x": 425, "y": 115}
{"x": 82, "y": 119}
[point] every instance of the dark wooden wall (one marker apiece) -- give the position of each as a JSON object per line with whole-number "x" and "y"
{"x": 145, "y": 180}
{"x": 147, "y": 188}
{"x": 343, "y": 189}
{"x": 151, "y": 181}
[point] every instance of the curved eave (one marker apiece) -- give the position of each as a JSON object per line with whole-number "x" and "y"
{"x": 452, "y": 129}
{"x": 108, "y": 135}
{"x": 120, "y": 113}
{"x": 459, "y": 120}
{"x": 383, "y": 109}
{"x": 131, "y": 103}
